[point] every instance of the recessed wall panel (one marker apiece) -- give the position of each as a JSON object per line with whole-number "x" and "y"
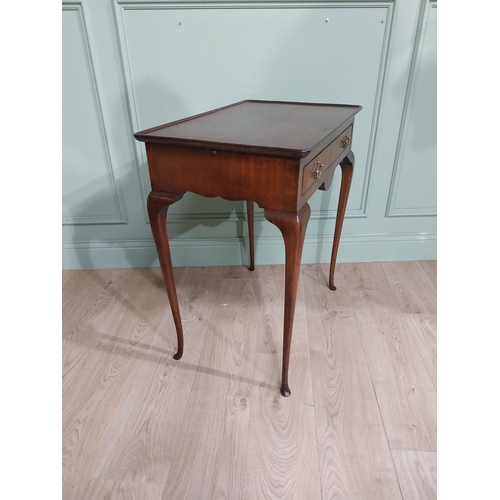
{"x": 414, "y": 188}
{"x": 90, "y": 194}
{"x": 181, "y": 61}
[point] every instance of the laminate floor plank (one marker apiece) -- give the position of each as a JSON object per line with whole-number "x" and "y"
{"x": 74, "y": 281}
{"x": 112, "y": 490}
{"x": 92, "y": 401}
{"x": 67, "y": 274}
{"x": 195, "y": 292}
{"x": 112, "y": 304}
{"x": 242, "y": 272}
{"x": 414, "y": 291}
{"x": 396, "y": 367}
{"x": 360, "y": 423}
{"x": 354, "y": 456}
{"x": 79, "y": 293}
{"x": 332, "y": 304}
{"x": 270, "y": 331}
{"x": 82, "y": 337}
{"x": 282, "y": 458}
{"x": 209, "y": 460}
{"x": 430, "y": 268}
{"x": 423, "y": 328}
{"x": 141, "y": 444}
{"x": 417, "y": 473}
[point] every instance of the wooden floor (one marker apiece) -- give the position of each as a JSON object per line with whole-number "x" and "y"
{"x": 360, "y": 423}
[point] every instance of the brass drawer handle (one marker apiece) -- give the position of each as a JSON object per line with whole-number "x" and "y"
{"x": 345, "y": 141}
{"x": 316, "y": 170}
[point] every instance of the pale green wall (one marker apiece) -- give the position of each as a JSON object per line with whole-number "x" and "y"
{"x": 132, "y": 65}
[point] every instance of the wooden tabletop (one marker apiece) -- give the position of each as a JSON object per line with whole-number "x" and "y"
{"x": 290, "y": 129}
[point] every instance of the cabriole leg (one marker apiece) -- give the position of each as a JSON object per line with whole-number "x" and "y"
{"x": 293, "y": 228}
{"x": 158, "y": 204}
{"x": 347, "y": 166}
{"x": 250, "y": 216}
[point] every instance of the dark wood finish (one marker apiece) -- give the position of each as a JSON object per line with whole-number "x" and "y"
{"x": 326, "y": 159}
{"x": 250, "y": 217}
{"x": 347, "y": 166}
{"x": 293, "y": 228}
{"x": 158, "y": 204}
{"x": 229, "y": 175}
{"x": 258, "y": 151}
{"x": 271, "y": 128}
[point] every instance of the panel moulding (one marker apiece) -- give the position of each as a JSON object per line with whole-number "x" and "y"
{"x": 391, "y": 210}
{"x": 121, "y": 217}
{"x": 122, "y": 5}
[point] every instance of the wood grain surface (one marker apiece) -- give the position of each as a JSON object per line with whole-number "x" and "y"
{"x": 141, "y": 445}
{"x": 396, "y": 367}
{"x": 209, "y": 459}
{"x": 355, "y": 460}
{"x": 430, "y": 268}
{"x": 261, "y": 127}
{"x": 105, "y": 490}
{"x": 413, "y": 290}
{"x": 360, "y": 423}
{"x": 282, "y": 458}
{"x": 423, "y": 328}
{"x": 417, "y": 472}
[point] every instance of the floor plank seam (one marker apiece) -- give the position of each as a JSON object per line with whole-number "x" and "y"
{"x": 412, "y": 450}
{"x": 426, "y": 275}
{"x": 376, "y": 396}
{"x": 315, "y": 417}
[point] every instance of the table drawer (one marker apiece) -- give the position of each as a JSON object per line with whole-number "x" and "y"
{"x": 320, "y": 163}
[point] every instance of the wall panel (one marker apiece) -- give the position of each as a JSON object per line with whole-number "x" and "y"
{"x": 413, "y": 187}
{"x": 284, "y": 51}
{"x": 173, "y": 59}
{"x": 87, "y": 164}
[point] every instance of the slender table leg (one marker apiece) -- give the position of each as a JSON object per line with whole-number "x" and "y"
{"x": 347, "y": 166}
{"x": 158, "y": 204}
{"x": 251, "y": 233}
{"x": 293, "y": 228}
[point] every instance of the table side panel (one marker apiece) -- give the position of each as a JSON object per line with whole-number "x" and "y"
{"x": 272, "y": 182}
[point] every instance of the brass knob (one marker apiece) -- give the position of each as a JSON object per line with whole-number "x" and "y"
{"x": 346, "y": 141}
{"x": 316, "y": 171}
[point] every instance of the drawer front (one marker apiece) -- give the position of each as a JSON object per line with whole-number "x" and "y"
{"x": 324, "y": 160}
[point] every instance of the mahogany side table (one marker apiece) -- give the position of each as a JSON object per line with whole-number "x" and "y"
{"x": 276, "y": 154}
